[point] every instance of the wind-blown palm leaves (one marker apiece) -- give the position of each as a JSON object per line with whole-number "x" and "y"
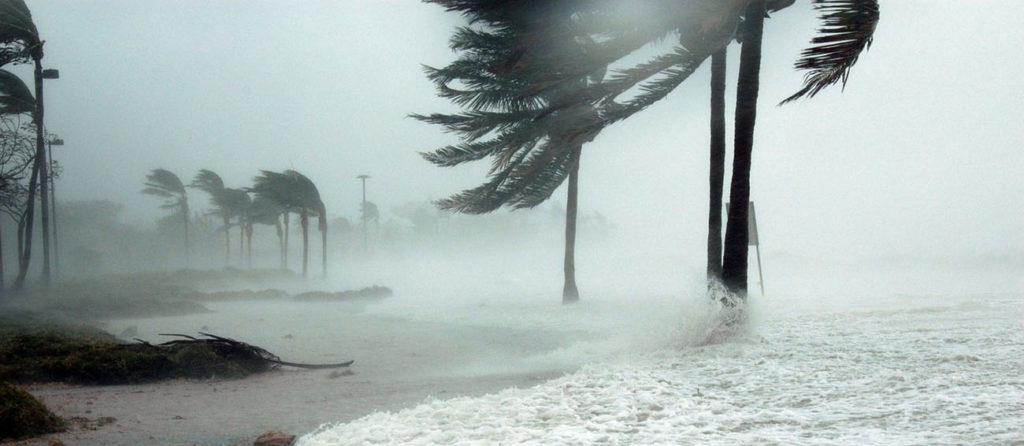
{"x": 15, "y": 97}
{"x": 528, "y": 106}
{"x": 165, "y": 184}
{"x": 20, "y": 42}
{"x": 223, "y": 203}
{"x": 296, "y": 193}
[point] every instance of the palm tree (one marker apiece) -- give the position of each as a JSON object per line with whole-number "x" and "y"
{"x": 20, "y": 42}
{"x": 266, "y": 212}
{"x": 165, "y": 184}
{"x": 533, "y": 152}
{"x": 211, "y": 183}
{"x": 294, "y": 192}
{"x": 716, "y": 170}
{"x": 523, "y": 77}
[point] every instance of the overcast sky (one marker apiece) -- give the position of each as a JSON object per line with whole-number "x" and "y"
{"x": 924, "y": 151}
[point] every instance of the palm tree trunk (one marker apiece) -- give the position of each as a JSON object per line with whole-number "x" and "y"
{"x": 734, "y": 264}
{"x": 570, "y": 294}
{"x": 716, "y": 175}
{"x": 44, "y": 193}
{"x": 280, "y": 242}
{"x": 248, "y": 241}
{"x": 304, "y": 221}
{"x": 188, "y": 258}
{"x": 323, "y": 240}
{"x": 227, "y": 241}
{"x": 241, "y": 241}
{"x": 25, "y": 254}
{"x": 287, "y": 230}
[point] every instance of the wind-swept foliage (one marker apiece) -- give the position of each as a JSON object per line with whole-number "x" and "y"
{"x": 211, "y": 183}
{"x": 15, "y": 97}
{"x": 294, "y": 192}
{"x": 19, "y": 39}
{"x": 847, "y": 29}
{"x": 165, "y": 184}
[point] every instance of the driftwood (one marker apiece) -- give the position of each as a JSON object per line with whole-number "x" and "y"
{"x": 230, "y": 346}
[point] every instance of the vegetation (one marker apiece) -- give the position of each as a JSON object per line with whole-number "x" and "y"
{"x": 22, "y": 416}
{"x": 47, "y": 352}
{"x": 294, "y": 192}
{"x": 165, "y": 184}
{"x": 529, "y": 110}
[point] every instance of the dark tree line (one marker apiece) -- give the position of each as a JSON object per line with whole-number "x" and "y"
{"x": 269, "y": 201}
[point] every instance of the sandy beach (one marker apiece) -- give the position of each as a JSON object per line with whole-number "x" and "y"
{"x": 399, "y": 363}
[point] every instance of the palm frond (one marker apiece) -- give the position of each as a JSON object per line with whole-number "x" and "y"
{"x": 15, "y": 96}
{"x": 847, "y": 29}
{"x": 18, "y": 34}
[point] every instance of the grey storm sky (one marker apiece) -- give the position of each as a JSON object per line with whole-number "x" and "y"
{"x": 924, "y": 151}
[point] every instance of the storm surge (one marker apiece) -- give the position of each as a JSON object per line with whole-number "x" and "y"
{"x": 920, "y": 369}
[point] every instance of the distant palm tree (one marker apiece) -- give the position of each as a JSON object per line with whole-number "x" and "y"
{"x": 265, "y": 212}
{"x": 209, "y": 182}
{"x": 295, "y": 192}
{"x": 165, "y": 184}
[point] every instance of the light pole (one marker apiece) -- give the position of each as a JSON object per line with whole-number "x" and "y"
{"x": 53, "y": 208}
{"x": 364, "y": 177}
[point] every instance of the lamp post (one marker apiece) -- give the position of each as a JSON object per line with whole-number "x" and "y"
{"x": 364, "y": 177}
{"x": 53, "y": 208}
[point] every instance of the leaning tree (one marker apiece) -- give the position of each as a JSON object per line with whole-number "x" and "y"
{"x": 294, "y": 192}
{"x": 617, "y": 30}
{"x": 530, "y": 156}
{"x": 165, "y": 184}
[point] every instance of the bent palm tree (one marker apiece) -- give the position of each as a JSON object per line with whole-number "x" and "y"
{"x": 209, "y": 182}
{"x": 294, "y": 192}
{"x": 264, "y": 211}
{"x": 19, "y": 43}
{"x": 165, "y": 184}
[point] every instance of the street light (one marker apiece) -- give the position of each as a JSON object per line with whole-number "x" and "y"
{"x": 364, "y": 177}
{"x": 53, "y": 207}
{"x": 51, "y": 73}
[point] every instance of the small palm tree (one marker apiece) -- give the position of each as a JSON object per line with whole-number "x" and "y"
{"x": 165, "y": 184}
{"x": 209, "y": 182}
{"x": 264, "y": 211}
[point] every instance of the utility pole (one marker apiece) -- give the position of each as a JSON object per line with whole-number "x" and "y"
{"x": 363, "y": 178}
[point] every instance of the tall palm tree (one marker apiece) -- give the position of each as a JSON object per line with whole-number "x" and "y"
{"x": 294, "y": 192}
{"x": 716, "y": 169}
{"x": 264, "y": 211}
{"x": 165, "y": 184}
{"x": 538, "y": 66}
{"x": 19, "y": 43}
{"x": 211, "y": 183}
{"x": 533, "y": 152}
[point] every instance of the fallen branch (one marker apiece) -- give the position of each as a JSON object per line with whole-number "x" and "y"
{"x": 231, "y": 347}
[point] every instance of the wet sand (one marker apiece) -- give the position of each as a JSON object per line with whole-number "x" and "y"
{"x": 399, "y": 363}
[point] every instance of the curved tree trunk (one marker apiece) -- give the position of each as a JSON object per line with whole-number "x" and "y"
{"x": 323, "y": 241}
{"x": 570, "y": 294}
{"x": 227, "y": 241}
{"x": 280, "y": 242}
{"x": 25, "y": 232}
{"x": 304, "y": 222}
{"x": 716, "y": 175}
{"x": 734, "y": 264}
{"x": 287, "y": 230}
{"x": 185, "y": 211}
{"x": 248, "y": 241}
